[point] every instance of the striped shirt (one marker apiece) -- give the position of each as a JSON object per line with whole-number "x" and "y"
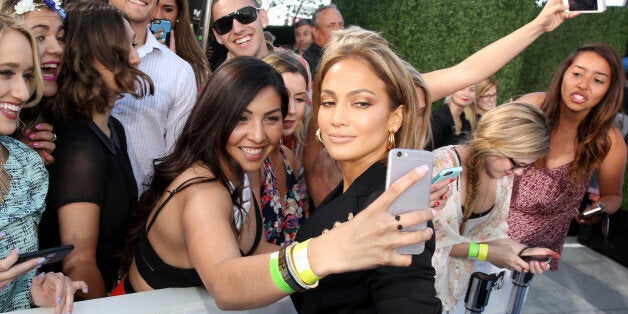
{"x": 153, "y": 123}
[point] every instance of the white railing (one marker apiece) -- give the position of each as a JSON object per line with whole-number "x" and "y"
{"x": 171, "y": 300}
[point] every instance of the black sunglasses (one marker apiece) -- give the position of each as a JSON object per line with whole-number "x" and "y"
{"x": 245, "y": 15}
{"x": 518, "y": 165}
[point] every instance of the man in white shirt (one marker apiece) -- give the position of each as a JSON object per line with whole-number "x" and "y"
{"x": 152, "y": 124}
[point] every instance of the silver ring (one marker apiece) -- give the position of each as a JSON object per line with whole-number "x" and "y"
{"x": 54, "y": 137}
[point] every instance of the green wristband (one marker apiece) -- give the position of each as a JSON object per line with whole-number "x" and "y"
{"x": 276, "y": 274}
{"x": 474, "y": 249}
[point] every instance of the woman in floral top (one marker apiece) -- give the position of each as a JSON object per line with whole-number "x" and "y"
{"x": 473, "y": 223}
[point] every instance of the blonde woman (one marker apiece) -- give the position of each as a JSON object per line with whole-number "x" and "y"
{"x": 472, "y": 226}
{"x": 486, "y": 95}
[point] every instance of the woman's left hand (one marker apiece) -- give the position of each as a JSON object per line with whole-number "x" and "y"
{"x": 55, "y": 289}
{"x": 41, "y": 139}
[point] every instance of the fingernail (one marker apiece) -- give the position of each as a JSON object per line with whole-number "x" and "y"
{"x": 41, "y": 261}
{"x": 444, "y": 196}
{"x": 451, "y": 180}
{"x": 31, "y": 136}
{"x": 437, "y": 203}
{"x": 85, "y": 290}
{"x": 17, "y": 250}
{"x": 46, "y": 154}
{"x": 58, "y": 300}
{"x": 36, "y": 144}
{"x": 421, "y": 169}
{"x": 41, "y": 275}
{"x": 38, "y": 126}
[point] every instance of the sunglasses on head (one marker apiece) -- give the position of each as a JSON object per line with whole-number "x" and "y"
{"x": 245, "y": 15}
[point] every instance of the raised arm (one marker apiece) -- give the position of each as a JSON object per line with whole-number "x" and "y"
{"x": 493, "y": 57}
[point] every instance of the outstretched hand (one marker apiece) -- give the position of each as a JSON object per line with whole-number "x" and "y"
{"x": 55, "y": 289}
{"x": 9, "y": 270}
{"x": 553, "y": 14}
{"x": 371, "y": 237}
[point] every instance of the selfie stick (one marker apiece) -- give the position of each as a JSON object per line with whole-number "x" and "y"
{"x": 521, "y": 282}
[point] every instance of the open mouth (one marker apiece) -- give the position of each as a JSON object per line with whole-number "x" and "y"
{"x": 137, "y": 2}
{"x": 243, "y": 40}
{"x": 49, "y": 71}
{"x": 9, "y": 110}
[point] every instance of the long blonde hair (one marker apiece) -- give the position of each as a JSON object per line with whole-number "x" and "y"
{"x": 514, "y": 130}
{"x": 7, "y": 22}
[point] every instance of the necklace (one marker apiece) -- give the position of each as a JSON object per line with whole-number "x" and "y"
{"x": 5, "y": 176}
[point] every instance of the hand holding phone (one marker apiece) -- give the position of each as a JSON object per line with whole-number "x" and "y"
{"x": 161, "y": 29}
{"x": 400, "y": 162}
{"x": 586, "y": 6}
{"x": 447, "y": 173}
{"x": 52, "y": 255}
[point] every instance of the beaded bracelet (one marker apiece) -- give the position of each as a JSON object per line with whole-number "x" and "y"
{"x": 302, "y": 263}
{"x": 284, "y": 268}
{"x": 276, "y": 274}
{"x": 483, "y": 252}
{"x": 473, "y": 250}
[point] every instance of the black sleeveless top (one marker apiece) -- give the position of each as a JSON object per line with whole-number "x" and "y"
{"x": 155, "y": 271}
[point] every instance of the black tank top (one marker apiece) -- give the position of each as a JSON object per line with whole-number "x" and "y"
{"x": 155, "y": 271}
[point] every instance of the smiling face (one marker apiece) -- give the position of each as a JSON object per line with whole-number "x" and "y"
{"x": 138, "y": 11}
{"x": 242, "y": 39}
{"x": 585, "y": 82}
{"x": 16, "y": 78}
{"x": 463, "y": 97}
{"x": 297, "y": 90}
{"x": 487, "y": 101}
{"x": 257, "y": 132}
{"x": 355, "y": 116}
{"x": 167, "y": 10}
{"x": 47, "y": 28}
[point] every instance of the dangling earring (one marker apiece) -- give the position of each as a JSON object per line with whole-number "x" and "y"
{"x": 318, "y": 137}
{"x": 391, "y": 140}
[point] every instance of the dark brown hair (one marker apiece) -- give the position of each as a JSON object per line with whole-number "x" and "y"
{"x": 593, "y": 140}
{"x": 188, "y": 47}
{"x": 95, "y": 32}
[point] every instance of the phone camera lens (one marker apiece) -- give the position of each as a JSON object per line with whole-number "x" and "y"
{"x": 399, "y": 154}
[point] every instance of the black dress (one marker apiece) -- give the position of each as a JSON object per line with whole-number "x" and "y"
{"x": 444, "y": 128}
{"x": 379, "y": 290}
{"x": 90, "y": 167}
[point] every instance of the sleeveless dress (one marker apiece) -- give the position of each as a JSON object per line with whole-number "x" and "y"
{"x": 20, "y": 212}
{"x": 282, "y": 221}
{"x": 542, "y": 206}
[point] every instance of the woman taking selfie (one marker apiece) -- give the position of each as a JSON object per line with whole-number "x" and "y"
{"x": 199, "y": 225}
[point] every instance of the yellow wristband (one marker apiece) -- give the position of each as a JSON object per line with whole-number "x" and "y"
{"x": 302, "y": 263}
{"x": 483, "y": 252}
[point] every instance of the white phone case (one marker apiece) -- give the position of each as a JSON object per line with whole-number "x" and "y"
{"x": 586, "y": 6}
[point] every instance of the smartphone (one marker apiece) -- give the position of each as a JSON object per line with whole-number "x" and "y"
{"x": 161, "y": 29}
{"x": 52, "y": 255}
{"x": 400, "y": 162}
{"x": 586, "y": 6}
{"x": 594, "y": 210}
{"x": 447, "y": 173}
{"x": 538, "y": 258}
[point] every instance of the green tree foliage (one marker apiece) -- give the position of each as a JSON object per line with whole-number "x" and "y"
{"x": 435, "y": 34}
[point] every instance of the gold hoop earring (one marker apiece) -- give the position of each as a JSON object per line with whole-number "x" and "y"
{"x": 391, "y": 140}
{"x": 318, "y": 136}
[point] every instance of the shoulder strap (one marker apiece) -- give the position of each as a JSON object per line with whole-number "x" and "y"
{"x": 178, "y": 189}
